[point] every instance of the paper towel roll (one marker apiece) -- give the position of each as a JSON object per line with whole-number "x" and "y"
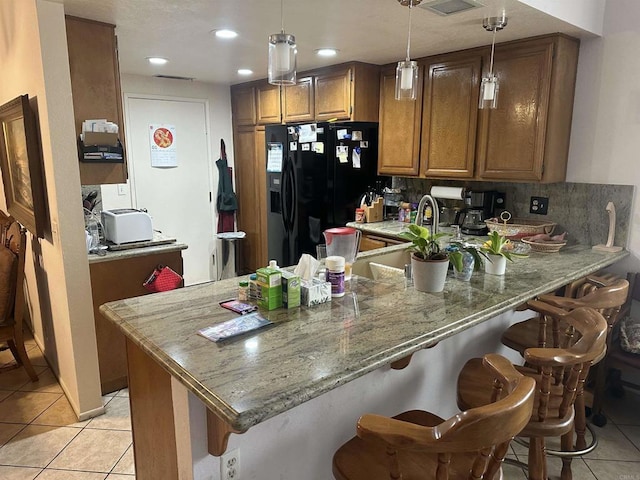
{"x": 453, "y": 193}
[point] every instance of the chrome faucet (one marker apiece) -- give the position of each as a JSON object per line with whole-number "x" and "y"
{"x": 436, "y": 213}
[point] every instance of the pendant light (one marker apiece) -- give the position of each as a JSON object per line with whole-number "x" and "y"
{"x": 282, "y": 55}
{"x": 407, "y": 71}
{"x": 490, "y": 86}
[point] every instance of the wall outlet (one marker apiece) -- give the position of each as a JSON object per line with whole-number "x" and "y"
{"x": 122, "y": 189}
{"x": 230, "y": 465}
{"x": 539, "y": 205}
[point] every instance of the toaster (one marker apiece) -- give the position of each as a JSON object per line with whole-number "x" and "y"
{"x": 125, "y": 225}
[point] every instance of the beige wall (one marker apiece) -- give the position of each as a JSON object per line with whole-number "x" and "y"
{"x": 605, "y": 135}
{"x": 33, "y": 59}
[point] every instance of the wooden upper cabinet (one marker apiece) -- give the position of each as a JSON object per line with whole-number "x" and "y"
{"x": 268, "y": 104}
{"x": 399, "y": 133}
{"x": 348, "y": 92}
{"x": 527, "y": 137}
{"x": 298, "y": 101}
{"x": 95, "y": 90}
{"x": 243, "y": 104}
{"x": 333, "y": 95}
{"x": 449, "y": 117}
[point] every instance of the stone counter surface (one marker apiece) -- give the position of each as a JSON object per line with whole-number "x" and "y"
{"x": 159, "y": 244}
{"x": 310, "y": 351}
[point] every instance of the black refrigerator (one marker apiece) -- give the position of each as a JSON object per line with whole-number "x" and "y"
{"x": 316, "y": 175}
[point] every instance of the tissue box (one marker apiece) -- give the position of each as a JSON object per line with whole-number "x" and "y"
{"x": 270, "y": 282}
{"x": 290, "y": 290}
{"x": 315, "y": 292}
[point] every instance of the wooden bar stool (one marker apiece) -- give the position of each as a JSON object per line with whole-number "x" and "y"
{"x": 554, "y": 403}
{"x": 606, "y": 294}
{"x": 420, "y": 445}
{"x": 12, "y": 299}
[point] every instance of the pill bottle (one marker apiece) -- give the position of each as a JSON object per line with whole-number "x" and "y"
{"x": 243, "y": 291}
{"x": 359, "y": 215}
{"x": 335, "y": 274}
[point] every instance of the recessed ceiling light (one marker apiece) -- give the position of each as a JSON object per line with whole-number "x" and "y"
{"x": 157, "y": 60}
{"x": 327, "y": 52}
{"x": 244, "y": 71}
{"x": 224, "y": 33}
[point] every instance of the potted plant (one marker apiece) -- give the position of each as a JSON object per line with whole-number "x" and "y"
{"x": 429, "y": 263}
{"x": 497, "y": 249}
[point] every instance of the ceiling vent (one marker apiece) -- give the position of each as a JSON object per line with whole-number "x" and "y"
{"x": 175, "y": 77}
{"x": 449, "y": 7}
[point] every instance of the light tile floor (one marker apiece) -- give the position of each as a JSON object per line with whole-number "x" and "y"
{"x": 40, "y": 437}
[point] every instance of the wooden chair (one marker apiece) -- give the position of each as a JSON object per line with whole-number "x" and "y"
{"x": 420, "y": 445}
{"x": 606, "y": 294}
{"x": 12, "y": 299}
{"x": 554, "y": 403}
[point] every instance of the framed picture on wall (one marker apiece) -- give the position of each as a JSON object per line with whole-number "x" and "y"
{"x": 21, "y": 165}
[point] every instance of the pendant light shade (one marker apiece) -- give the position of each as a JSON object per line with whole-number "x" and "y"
{"x": 490, "y": 85}
{"x": 282, "y": 55}
{"x": 282, "y": 59}
{"x": 407, "y": 71}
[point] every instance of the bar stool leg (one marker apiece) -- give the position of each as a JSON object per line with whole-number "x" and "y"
{"x": 537, "y": 461}
{"x": 566, "y": 444}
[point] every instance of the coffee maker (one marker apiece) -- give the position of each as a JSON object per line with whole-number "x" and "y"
{"x": 481, "y": 206}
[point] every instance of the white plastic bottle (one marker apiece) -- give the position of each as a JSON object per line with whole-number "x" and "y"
{"x": 335, "y": 274}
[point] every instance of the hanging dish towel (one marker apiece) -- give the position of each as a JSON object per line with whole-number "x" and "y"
{"x": 226, "y": 201}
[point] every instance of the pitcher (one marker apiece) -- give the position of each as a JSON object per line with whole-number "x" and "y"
{"x": 343, "y": 242}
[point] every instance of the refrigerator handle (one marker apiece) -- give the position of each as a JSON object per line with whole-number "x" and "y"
{"x": 283, "y": 193}
{"x": 293, "y": 193}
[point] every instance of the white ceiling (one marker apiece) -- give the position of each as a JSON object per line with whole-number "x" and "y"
{"x": 372, "y": 31}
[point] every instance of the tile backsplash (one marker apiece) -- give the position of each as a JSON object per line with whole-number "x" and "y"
{"x": 577, "y": 208}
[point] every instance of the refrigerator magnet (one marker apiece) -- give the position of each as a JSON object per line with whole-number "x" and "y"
{"x": 356, "y": 135}
{"x": 306, "y": 147}
{"x": 317, "y": 147}
{"x": 342, "y": 152}
{"x": 293, "y": 146}
{"x": 364, "y": 144}
{"x": 355, "y": 157}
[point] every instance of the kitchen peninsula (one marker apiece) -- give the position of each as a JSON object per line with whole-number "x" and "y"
{"x": 297, "y": 388}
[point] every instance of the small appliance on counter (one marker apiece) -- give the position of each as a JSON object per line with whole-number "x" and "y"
{"x": 126, "y": 225}
{"x": 480, "y": 207}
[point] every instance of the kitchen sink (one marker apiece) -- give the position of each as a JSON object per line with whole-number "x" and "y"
{"x": 384, "y": 265}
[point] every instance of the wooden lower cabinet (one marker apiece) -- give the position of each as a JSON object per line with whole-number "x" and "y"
{"x": 372, "y": 242}
{"x": 115, "y": 280}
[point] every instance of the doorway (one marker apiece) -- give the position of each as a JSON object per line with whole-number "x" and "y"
{"x": 178, "y": 198}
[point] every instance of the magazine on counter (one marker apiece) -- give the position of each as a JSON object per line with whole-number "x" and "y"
{"x": 235, "y": 326}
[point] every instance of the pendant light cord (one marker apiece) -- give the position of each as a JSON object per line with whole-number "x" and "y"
{"x": 282, "y": 15}
{"x": 409, "y": 35}
{"x": 493, "y": 44}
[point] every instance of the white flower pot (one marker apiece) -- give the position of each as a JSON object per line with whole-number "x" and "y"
{"x": 429, "y": 275}
{"x": 495, "y": 264}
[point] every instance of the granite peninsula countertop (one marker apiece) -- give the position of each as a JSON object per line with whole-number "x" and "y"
{"x": 159, "y": 244}
{"x": 310, "y": 351}
{"x": 386, "y": 228}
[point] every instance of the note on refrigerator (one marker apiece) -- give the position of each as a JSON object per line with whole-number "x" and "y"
{"x": 355, "y": 157}
{"x": 307, "y": 133}
{"x": 317, "y": 147}
{"x": 342, "y": 152}
{"x": 356, "y": 135}
{"x": 342, "y": 134}
{"x": 306, "y": 147}
{"x": 293, "y": 146}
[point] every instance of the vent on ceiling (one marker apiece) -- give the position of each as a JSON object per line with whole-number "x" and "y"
{"x": 175, "y": 77}
{"x": 449, "y": 7}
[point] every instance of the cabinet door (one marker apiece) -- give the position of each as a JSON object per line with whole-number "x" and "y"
{"x": 512, "y": 137}
{"x": 268, "y": 101}
{"x": 251, "y": 186}
{"x": 243, "y": 105}
{"x": 368, "y": 243}
{"x": 333, "y": 95}
{"x": 96, "y": 91}
{"x": 449, "y": 118}
{"x": 399, "y": 134}
{"x": 299, "y": 101}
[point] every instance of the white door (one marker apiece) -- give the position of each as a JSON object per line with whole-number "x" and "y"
{"x": 177, "y": 198}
